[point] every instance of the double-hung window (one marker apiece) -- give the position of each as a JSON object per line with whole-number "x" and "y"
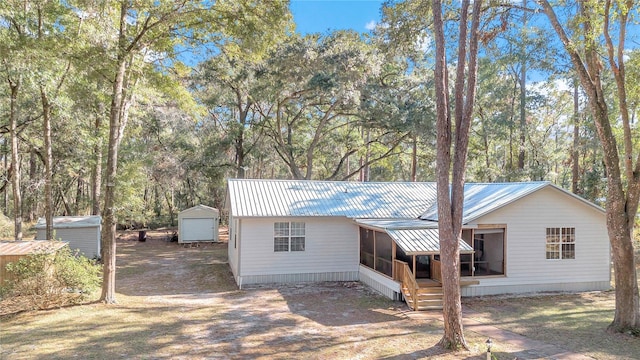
{"x": 288, "y": 236}
{"x": 561, "y": 243}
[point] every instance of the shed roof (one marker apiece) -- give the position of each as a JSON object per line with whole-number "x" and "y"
{"x": 422, "y": 241}
{"x": 200, "y": 207}
{"x": 249, "y": 198}
{"x": 29, "y": 247}
{"x": 64, "y": 222}
{"x": 413, "y": 236}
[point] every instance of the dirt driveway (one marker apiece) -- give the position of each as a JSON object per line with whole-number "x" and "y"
{"x": 326, "y": 320}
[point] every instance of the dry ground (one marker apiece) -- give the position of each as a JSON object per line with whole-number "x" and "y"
{"x": 180, "y": 302}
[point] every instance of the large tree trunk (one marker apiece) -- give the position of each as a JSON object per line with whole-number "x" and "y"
{"x": 116, "y": 128}
{"x": 622, "y": 203}
{"x": 451, "y": 197}
{"x": 15, "y": 160}
{"x": 109, "y": 234}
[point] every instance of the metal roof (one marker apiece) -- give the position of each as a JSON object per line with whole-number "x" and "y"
{"x": 413, "y": 236}
{"x": 29, "y": 247}
{"x": 483, "y": 198}
{"x": 392, "y": 200}
{"x": 398, "y": 224}
{"x": 200, "y": 207}
{"x": 370, "y": 200}
{"x": 62, "y": 222}
{"x": 422, "y": 241}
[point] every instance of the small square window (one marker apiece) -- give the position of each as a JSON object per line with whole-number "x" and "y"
{"x": 560, "y": 243}
{"x": 288, "y": 236}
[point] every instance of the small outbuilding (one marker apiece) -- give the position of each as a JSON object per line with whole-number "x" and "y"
{"x": 13, "y": 251}
{"x": 199, "y": 223}
{"x": 81, "y": 232}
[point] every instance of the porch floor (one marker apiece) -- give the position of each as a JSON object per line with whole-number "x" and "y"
{"x": 427, "y": 283}
{"x": 433, "y": 283}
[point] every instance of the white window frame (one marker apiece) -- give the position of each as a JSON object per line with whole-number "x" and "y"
{"x": 560, "y": 243}
{"x": 289, "y": 236}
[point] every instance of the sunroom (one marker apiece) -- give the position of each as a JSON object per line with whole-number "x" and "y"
{"x": 408, "y": 252}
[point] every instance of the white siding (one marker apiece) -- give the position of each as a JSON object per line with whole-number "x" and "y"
{"x": 527, "y": 269}
{"x": 84, "y": 239}
{"x": 331, "y": 251}
{"x": 232, "y": 246}
{"x": 197, "y": 230}
{"x": 199, "y": 223}
{"x": 380, "y": 283}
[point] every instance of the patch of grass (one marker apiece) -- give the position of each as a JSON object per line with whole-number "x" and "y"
{"x": 576, "y": 322}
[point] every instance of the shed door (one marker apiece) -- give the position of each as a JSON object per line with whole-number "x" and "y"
{"x": 197, "y": 229}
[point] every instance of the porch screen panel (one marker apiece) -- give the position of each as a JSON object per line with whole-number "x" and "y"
{"x": 402, "y": 256}
{"x": 366, "y": 247}
{"x": 384, "y": 254}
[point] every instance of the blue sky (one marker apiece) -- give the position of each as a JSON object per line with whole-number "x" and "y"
{"x": 321, "y": 16}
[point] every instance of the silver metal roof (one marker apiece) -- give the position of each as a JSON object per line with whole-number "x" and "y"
{"x": 413, "y": 236}
{"x": 369, "y": 200}
{"x": 483, "y": 198}
{"x": 62, "y": 222}
{"x": 421, "y": 241}
{"x": 392, "y": 200}
{"x": 29, "y": 247}
{"x": 200, "y": 207}
{"x": 398, "y": 224}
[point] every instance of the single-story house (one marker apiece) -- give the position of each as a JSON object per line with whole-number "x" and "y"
{"x": 517, "y": 237}
{"x": 81, "y": 232}
{"x": 198, "y": 223}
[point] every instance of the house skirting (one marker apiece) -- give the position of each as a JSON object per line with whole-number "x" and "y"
{"x": 483, "y": 290}
{"x": 296, "y": 278}
{"x": 380, "y": 283}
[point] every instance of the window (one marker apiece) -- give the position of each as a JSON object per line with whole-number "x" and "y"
{"x": 288, "y": 236}
{"x": 561, "y": 243}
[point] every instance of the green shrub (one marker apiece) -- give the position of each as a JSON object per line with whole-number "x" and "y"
{"x": 43, "y": 281}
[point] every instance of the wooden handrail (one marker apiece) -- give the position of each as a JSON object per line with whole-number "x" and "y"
{"x": 436, "y": 272}
{"x": 404, "y": 274}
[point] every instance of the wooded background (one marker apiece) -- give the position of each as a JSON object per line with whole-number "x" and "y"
{"x": 231, "y": 90}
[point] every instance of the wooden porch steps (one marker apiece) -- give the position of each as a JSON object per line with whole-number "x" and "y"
{"x": 427, "y": 298}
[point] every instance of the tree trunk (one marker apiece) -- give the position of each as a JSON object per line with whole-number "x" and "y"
{"x": 451, "y": 197}
{"x": 523, "y": 94}
{"x": 48, "y": 160}
{"x": 15, "y": 160}
{"x": 414, "y": 158}
{"x": 575, "y": 154}
{"x": 622, "y": 204}
{"x": 109, "y": 234}
{"x": 32, "y": 202}
{"x": 96, "y": 171}
{"x": 5, "y": 194}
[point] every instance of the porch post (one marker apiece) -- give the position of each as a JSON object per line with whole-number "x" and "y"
{"x": 393, "y": 259}
{"x": 414, "y": 267}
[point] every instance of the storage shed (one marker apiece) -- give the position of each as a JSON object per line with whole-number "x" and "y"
{"x": 199, "y": 223}
{"x": 81, "y": 232}
{"x": 13, "y": 251}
